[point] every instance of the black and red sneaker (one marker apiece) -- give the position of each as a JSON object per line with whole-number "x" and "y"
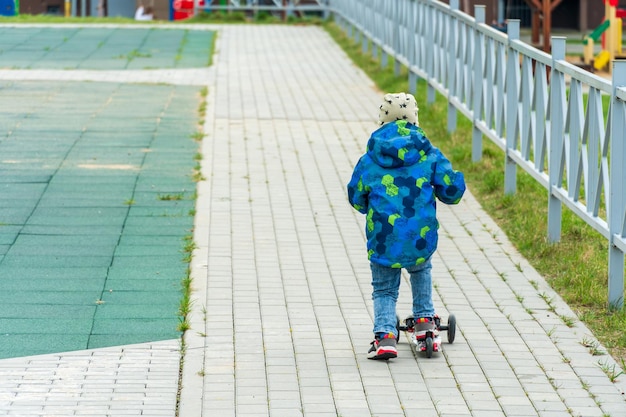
{"x": 384, "y": 348}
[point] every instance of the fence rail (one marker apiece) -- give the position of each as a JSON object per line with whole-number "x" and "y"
{"x": 545, "y": 114}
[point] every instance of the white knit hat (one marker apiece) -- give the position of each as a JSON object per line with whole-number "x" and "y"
{"x": 398, "y": 106}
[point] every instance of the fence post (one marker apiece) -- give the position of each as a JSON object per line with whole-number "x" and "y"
{"x": 479, "y": 48}
{"x": 512, "y": 108}
{"x": 557, "y": 108}
{"x": 617, "y": 200}
{"x": 412, "y": 55}
{"x": 398, "y": 16}
{"x": 452, "y": 70}
{"x": 364, "y": 44}
{"x": 430, "y": 54}
{"x": 384, "y": 59}
{"x": 365, "y": 41}
{"x": 375, "y": 30}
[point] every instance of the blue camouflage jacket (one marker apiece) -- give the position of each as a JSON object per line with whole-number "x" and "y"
{"x": 395, "y": 184}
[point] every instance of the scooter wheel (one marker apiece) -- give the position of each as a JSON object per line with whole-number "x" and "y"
{"x": 451, "y": 328}
{"x": 429, "y": 346}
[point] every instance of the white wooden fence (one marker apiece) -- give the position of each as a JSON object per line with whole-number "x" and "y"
{"x": 545, "y": 114}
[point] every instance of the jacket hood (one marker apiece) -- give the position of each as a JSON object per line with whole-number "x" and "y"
{"x": 397, "y": 144}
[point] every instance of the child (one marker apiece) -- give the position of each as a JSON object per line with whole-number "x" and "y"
{"x": 395, "y": 184}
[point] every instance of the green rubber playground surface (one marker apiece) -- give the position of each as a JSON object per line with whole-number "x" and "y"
{"x": 97, "y": 196}
{"x": 103, "y": 48}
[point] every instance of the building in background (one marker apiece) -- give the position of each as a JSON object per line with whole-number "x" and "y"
{"x": 56, "y": 7}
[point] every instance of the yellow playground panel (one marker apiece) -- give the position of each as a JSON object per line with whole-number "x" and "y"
{"x": 610, "y": 31}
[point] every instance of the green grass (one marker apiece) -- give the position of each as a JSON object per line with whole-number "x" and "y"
{"x": 171, "y": 197}
{"x": 576, "y": 267}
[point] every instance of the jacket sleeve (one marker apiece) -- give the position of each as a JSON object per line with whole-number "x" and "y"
{"x": 449, "y": 184}
{"x": 357, "y": 190}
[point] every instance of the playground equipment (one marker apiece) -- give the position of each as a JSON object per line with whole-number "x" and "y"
{"x": 184, "y": 9}
{"x": 610, "y": 31}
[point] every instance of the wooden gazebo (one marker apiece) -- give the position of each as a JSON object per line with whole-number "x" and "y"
{"x": 542, "y": 18}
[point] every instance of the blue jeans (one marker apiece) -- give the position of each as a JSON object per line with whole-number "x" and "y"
{"x": 386, "y": 285}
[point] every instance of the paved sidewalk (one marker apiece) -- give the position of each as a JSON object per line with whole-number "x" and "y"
{"x": 282, "y": 313}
